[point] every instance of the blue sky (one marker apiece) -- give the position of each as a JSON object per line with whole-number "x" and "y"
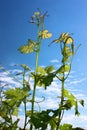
{"x": 64, "y": 16}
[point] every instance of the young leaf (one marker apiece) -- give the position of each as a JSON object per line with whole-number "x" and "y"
{"x": 62, "y": 69}
{"x": 15, "y": 112}
{"x": 41, "y": 70}
{"x": 69, "y": 40}
{"x": 25, "y": 49}
{"x": 45, "y": 34}
{"x": 25, "y": 66}
{"x": 66, "y": 127}
{"x": 81, "y": 102}
{"x": 44, "y": 80}
{"x": 49, "y": 69}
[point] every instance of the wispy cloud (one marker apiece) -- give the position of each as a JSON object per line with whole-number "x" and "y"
{"x": 80, "y": 121}
{"x": 54, "y": 61}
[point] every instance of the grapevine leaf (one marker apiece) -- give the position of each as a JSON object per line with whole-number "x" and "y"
{"x": 15, "y": 96}
{"x": 66, "y": 127}
{"x": 41, "y": 70}
{"x": 15, "y": 113}
{"x": 81, "y": 102}
{"x": 25, "y": 49}
{"x": 49, "y": 69}
{"x": 69, "y": 40}
{"x": 45, "y": 34}
{"x": 42, "y": 119}
{"x": 25, "y": 66}
{"x": 62, "y": 69}
{"x": 44, "y": 80}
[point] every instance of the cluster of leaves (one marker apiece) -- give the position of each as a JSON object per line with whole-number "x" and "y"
{"x": 10, "y": 106}
{"x": 10, "y": 101}
{"x": 44, "y": 76}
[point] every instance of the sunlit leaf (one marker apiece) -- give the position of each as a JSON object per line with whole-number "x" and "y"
{"x": 49, "y": 69}
{"x": 66, "y": 127}
{"x": 64, "y": 68}
{"x": 14, "y": 97}
{"x": 73, "y": 101}
{"x": 25, "y": 49}
{"x": 41, "y": 70}
{"x": 60, "y": 39}
{"x": 36, "y": 14}
{"x": 65, "y": 59}
{"x": 68, "y": 40}
{"x": 15, "y": 112}
{"x": 25, "y": 66}
{"x": 64, "y": 37}
{"x": 45, "y": 34}
{"x": 44, "y": 80}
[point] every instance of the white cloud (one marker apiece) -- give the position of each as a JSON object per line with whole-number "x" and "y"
{"x": 76, "y": 81}
{"x": 80, "y": 121}
{"x": 54, "y": 61}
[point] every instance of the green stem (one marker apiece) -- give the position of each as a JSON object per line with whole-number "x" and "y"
{"x": 34, "y": 90}
{"x": 24, "y": 101}
{"x": 61, "y": 104}
{"x": 36, "y": 67}
{"x": 33, "y": 96}
{"x": 60, "y": 116}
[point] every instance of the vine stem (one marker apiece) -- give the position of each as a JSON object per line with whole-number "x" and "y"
{"x": 33, "y": 96}
{"x": 24, "y": 101}
{"x": 40, "y": 28}
{"x": 62, "y": 95}
{"x": 61, "y": 104}
{"x": 34, "y": 90}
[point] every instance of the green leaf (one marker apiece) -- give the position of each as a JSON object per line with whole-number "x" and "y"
{"x": 25, "y": 66}
{"x": 15, "y": 112}
{"x": 44, "y": 80}
{"x": 81, "y": 102}
{"x": 71, "y": 101}
{"x": 65, "y": 59}
{"x": 41, "y": 120}
{"x": 69, "y": 95}
{"x": 41, "y": 70}
{"x": 62, "y": 69}
{"x": 76, "y": 109}
{"x": 67, "y": 104}
{"x": 25, "y": 49}
{"x": 28, "y": 112}
{"x": 66, "y": 127}
{"x": 14, "y": 97}
{"x": 69, "y": 40}
{"x": 52, "y": 123}
{"x": 61, "y": 38}
{"x": 49, "y": 69}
